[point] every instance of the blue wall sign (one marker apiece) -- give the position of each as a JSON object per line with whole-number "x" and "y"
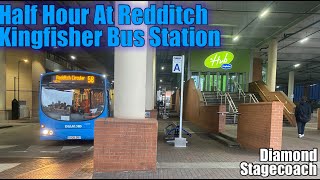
{"x": 226, "y": 66}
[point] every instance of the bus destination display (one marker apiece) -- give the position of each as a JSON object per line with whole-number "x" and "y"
{"x": 73, "y": 78}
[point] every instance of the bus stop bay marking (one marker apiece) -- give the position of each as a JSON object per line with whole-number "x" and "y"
{"x": 69, "y": 147}
{"x": 7, "y": 146}
{"x": 6, "y": 166}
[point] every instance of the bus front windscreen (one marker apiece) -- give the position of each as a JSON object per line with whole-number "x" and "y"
{"x": 72, "y": 97}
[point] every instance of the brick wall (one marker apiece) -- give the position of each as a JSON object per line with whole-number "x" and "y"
{"x": 206, "y": 117}
{"x": 172, "y": 101}
{"x": 125, "y": 144}
{"x": 222, "y": 119}
{"x": 257, "y": 69}
{"x": 177, "y": 101}
{"x": 260, "y": 125}
{"x": 210, "y": 120}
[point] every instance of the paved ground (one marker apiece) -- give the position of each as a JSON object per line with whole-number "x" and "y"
{"x": 23, "y": 155}
{"x": 205, "y": 158}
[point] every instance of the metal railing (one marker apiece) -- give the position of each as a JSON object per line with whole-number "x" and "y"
{"x": 219, "y": 94}
{"x": 272, "y": 96}
{"x": 289, "y": 112}
{"x": 266, "y": 96}
{"x": 204, "y": 98}
{"x": 227, "y": 98}
{"x": 232, "y": 106}
{"x": 253, "y": 98}
{"x": 240, "y": 91}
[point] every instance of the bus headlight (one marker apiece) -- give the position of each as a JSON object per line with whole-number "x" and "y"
{"x": 45, "y": 132}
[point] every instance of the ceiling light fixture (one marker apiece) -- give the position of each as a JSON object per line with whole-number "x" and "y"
{"x": 296, "y": 65}
{"x": 304, "y": 40}
{"x": 160, "y": 80}
{"x": 264, "y": 13}
{"x": 73, "y": 57}
{"x": 236, "y": 38}
{"x": 162, "y": 68}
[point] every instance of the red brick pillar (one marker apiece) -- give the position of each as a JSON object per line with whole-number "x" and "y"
{"x": 222, "y": 118}
{"x": 125, "y": 144}
{"x": 260, "y": 125}
{"x": 257, "y": 69}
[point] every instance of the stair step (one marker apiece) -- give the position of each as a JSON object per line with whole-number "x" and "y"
{"x": 213, "y": 103}
{"x": 228, "y": 137}
{"x": 174, "y": 114}
{"x": 212, "y": 98}
{"x": 286, "y": 122}
{"x": 229, "y": 121}
{"x": 224, "y": 141}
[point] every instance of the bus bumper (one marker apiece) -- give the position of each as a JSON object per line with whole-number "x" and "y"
{"x": 68, "y": 134}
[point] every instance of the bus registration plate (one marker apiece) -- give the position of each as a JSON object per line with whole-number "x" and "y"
{"x": 74, "y": 137}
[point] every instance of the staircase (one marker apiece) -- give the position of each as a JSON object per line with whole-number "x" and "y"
{"x": 217, "y": 98}
{"x": 211, "y": 98}
{"x": 225, "y": 140}
{"x": 286, "y": 122}
{"x": 261, "y": 89}
{"x": 232, "y": 102}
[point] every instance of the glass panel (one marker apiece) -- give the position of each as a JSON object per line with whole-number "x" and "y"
{"x": 72, "y": 97}
{"x": 211, "y": 83}
{"x": 215, "y": 82}
{"x": 224, "y": 82}
{"x": 232, "y": 79}
{"x": 195, "y": 77}
{"x": 208, "y": 87}
{"x": 202, "y": 82}
{"x": 241, "y": 82}
{"x": 245, "y": 85}
{"x": 219, "y": 81}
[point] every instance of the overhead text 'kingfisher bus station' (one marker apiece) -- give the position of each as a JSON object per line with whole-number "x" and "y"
{"x": 159, "y": 89}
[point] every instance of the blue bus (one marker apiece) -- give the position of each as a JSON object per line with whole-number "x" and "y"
{"x": 70, "y": 102}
